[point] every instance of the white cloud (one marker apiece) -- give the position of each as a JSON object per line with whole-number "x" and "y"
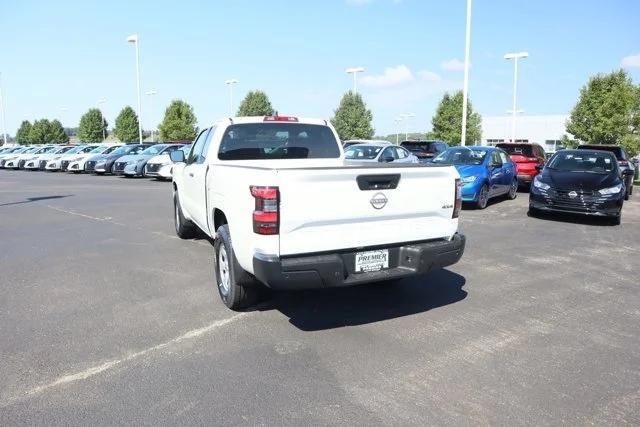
{"x": 631, "y": 61}
{"x": 392, "y": 76}
{"x": 429, "y": 76}
{"x": 453, "y": 65}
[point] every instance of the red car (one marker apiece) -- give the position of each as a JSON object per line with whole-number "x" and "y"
{"x": 526, "y": 156}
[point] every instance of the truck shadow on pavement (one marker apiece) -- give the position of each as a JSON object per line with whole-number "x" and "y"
{"x": 321, "y": 309}
{"x": 35, "y": 199}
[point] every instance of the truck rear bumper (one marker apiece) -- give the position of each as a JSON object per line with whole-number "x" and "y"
{"x": 338, "y": 269}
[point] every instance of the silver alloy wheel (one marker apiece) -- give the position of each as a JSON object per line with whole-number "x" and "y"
{"x": 483, "y": 197}
{"x": 514, "y": 189}
{"x": 223, "y": 271}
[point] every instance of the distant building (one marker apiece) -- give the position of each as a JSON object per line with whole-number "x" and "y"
{"x": 545, "y": 130}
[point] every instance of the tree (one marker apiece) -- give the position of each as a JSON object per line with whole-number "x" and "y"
{"x": 57, "y": 133}
{"x": 608, "y": 109}
{"x": 179, "y": 123}
{"x": 93, "y": 126}
{"x": 126, "y": 129}
{"x": 352, "y": 119}
{"x": 23, "y": 133}
{"x": 447, "y": 122}
{"x": 40, "y": 132}
{"x": 256, "y": 103}
{"x": 631, "y": 144}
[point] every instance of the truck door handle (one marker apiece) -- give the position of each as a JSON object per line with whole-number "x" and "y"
{"x": 191, "y": 174}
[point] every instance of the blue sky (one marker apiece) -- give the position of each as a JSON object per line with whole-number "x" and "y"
{"x": 72, "y": 53}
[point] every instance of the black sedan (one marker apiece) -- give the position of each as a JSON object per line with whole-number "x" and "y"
{"x": 586, "y": 182}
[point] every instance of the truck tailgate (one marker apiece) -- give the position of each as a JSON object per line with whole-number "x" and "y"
{"x": 328, "y": 209}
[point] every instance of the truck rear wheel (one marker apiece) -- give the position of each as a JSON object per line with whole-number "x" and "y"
{"x": 185, "y": 229}
{"x": 228, "y": 273}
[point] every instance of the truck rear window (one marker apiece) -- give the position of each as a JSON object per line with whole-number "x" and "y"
{"x": 264, "y": 141}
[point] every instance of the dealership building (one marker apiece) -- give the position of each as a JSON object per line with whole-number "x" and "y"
{"x": 544, "y": 130}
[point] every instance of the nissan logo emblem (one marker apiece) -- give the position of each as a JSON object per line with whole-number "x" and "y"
{"x": 379, "y": 201}
{"x": 573, "y": 194}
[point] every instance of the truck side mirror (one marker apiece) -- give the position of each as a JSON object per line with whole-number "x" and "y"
{"x": 177, "y": 156}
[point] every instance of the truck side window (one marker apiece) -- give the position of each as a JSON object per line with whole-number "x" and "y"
{"x": 205, "y": 148}
{"x": 196, "y": 150}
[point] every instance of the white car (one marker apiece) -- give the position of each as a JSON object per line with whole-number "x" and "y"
{"x": 161, "y": 166}
{"x": 13, "y": 162}
{"x": 42, "y": 155}
{"x": 286, "y": 211}
{"x": 61, "y": 163}
{"x": 9, "y": 153}
{"x": 76, "y": 165}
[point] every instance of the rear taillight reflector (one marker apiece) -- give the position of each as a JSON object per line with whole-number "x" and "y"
{"x": 458, "y": 203}
{"x": 266, "y": 216}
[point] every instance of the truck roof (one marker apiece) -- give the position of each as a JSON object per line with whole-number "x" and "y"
{"x": 274, "y": 119}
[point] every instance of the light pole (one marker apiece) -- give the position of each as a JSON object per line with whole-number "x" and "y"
{"x": 465, "y": 90}
{"x": 355, "y": 71}
{"x": 406, "y": 118}
{"x": 515, "y": 56}
{"x": 150, "y": 94}
{"x": 133, "y": 38}
{"x": 102, "y": 101}
{"x": 397, "y": 120}
{"x": 230, "y": 83}
{"x": 4, "y": 128}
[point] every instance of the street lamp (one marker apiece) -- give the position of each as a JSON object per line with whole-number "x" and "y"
{"x": 406, "y": 118}
{"x": 397, "y": 120}
{"x": 355, "y": 71}
{"x": 4, "y": 129}
{"x": 150, "y": 94}
{"x": 102, "y": 101}
{"x": 515, "y": 56}
{"x": 230, "y": 83}
{"x": 465, "y": 90}
{"x": 133, "y": 38}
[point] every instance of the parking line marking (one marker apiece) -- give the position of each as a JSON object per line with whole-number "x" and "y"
{"x": 95, "y": 218}
{"x": 95, "y": 370}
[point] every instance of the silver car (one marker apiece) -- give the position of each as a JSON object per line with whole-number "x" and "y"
{"x": 379, "y": 152}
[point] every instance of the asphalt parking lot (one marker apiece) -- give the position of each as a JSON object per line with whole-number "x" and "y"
{"x": 107, "y": 318}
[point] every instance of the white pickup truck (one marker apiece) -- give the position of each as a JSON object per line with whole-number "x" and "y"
{"x": 286, "y": 211}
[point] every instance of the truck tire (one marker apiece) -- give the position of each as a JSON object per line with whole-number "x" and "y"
{"x": 185, "y": 229}
{"x": 228, "y": 273}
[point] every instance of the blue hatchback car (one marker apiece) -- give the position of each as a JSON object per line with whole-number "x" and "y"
{"x": 485, "y": 172}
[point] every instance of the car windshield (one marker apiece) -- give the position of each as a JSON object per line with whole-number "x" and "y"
{"x": 154, "y": 149}
{"x": 517, "y": 149}
{"x": 87, "y": 149}
{"x": 75, "y": 150}
{"x": 121, "y": 150}
{"x": 588, "y": 161}
{"x": 461, "y": 156}
{"x": 46, "y": 150}
{"x": 62, "y": 150}
{"x": 362, "y": 152}
{"x": 99, "y": 149}
{"x": 278, "y": 140}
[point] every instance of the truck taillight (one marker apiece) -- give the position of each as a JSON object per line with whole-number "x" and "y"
{"x": 280, "y": 119}
{"x": 458, "y": 204}
{"x": 266, "y": 216}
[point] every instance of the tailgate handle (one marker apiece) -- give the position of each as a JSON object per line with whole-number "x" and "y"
{"x": 378, "y": 182}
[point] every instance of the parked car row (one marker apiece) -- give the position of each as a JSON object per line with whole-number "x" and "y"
{"x": 592, "y": 180}
{"x": 106, "y": 158}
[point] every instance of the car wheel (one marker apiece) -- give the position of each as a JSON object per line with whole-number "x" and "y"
{"x": 227, "y": 271}
{"x": 185, "y": 229}
{"x": 483, "y": 197}
{"x": 513, "y": 190}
